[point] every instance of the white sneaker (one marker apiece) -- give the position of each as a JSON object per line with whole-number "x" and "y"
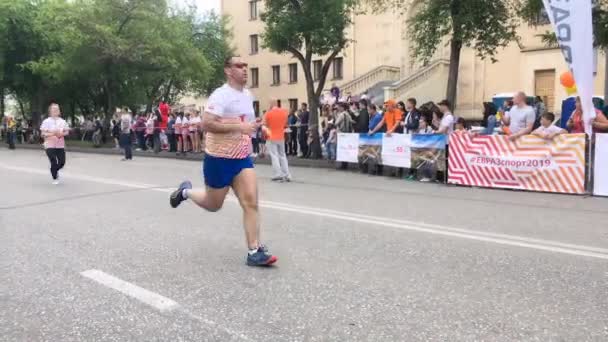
{"x": 56, "y": 182}
{"x": 425, "y": 180}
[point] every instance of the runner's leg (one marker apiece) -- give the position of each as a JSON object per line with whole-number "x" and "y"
{"x": 210, "y": 199}
{"x": 246, "y": 189}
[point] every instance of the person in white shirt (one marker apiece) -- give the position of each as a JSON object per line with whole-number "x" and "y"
{"x": 195, "y": 134}
{"x": 126, "y": 142}
{"x": 446, "y": 126}
{"x": 520, "y": 118}
{"x": 54, "y": 129}
{"x": 547, "y": 129}
{"x": 229, "y": 122}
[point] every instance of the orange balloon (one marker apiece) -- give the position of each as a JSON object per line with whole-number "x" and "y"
{"x": 567, "y": 80}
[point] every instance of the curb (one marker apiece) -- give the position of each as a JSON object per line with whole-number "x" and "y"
{"x": 296, "y": 162}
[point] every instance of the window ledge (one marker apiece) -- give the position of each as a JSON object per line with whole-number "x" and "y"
{"x": 275, "y": 84}
{"x": 296, "y": 82}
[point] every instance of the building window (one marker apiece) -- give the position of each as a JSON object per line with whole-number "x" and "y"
{"x": 255, "y": 77}
{"x": 253, "y": 10}
{"x": 338, "y": 68}
{"x": 279, "y": 103}
{"x": 293, "y": 73}
{"x": 316, "y": 69}
{"x": 256, "y": 108}
{"x": 253, "y": 40}
{"x": 293, "y": 104}
{"x": 276, "y": 75}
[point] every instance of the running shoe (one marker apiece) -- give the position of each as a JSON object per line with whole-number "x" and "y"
{"x": 176, "y": 197}
{"x": 261, "y": 258}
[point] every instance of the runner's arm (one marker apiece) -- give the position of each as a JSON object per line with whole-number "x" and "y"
{"x": 213, "y": 124}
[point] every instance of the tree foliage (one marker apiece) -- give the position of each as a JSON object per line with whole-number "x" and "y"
{"x": 307, "y": 28}
{"x": 530, "y": 10}
{"x": 96, "y": 55}
{"x": 481, "y": 25}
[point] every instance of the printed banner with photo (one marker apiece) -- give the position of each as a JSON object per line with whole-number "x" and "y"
{"x": 600, "y": 168}
{"x": 348, "y": 147}
{"x": 370, "y": 148}
{"x": 428, "y": 153}
{"x": 530, "y": 163}
{"x": 396, "y": 150}
{"x": 399, "y": 150}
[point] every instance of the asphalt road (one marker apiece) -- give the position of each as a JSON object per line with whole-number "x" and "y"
{"x": 102, "y": 257}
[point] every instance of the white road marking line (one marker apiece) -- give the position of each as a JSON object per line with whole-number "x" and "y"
{"x": 163, "y": 304}
{"x": 502, "y": 239}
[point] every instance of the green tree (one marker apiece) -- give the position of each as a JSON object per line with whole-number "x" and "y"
{"x": 305, "y": 29}
{"x": 531, "y": 9}
{"x": 481, "y": 25}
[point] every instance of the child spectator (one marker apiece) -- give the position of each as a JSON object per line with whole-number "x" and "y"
{"x": 547, "y": 129}
{"x": 460, "y": 125}
{"x": 424, "y": 127}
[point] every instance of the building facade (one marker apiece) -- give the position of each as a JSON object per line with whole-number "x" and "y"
{"x": 380, "y": 54}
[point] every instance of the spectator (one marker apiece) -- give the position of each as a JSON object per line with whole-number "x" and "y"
{"x": 460, "y": 125}
{"x": 116, "y": 132}
{"x": 539, "y": 109}
{"x": 292, "y": 143}
{"x": 489, "y": 118}
{"x": 600, "y": 123}
{"x": 332, "y": 141}
{"x": 411, "y": 122}
{"x": 275, "y": 122}
{"x": 424, "y": 127}
{"x": 195, "y": 132}
{"x": 140, "y": 132}
{"x": 304, "y": 120}
{"x": 392, "y": 117}
{"x": 446, "y": 125}
{"x": 376, "y": 125}
{"x": 520, "y": 118}
{"x": 344, "y": 124}
{"x": 178, "y": 133}
{"x": 186, "y": 132}
{"x": 126, "y": 124}
{"x": 171, "y": 133}
{"x": 158, "y": 123}
{"x": 547, "y": 129}
{"x": 362, "y": 125}
{"x": 335, "y": 92}
{"x": 575, "y": 123}
{"x": 164, "y": 109}
{"x": 11, "y": 131}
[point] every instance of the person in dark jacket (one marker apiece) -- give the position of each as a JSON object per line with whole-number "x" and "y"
{"x": 411, "y": 121}
{"x": 362, "y": 125}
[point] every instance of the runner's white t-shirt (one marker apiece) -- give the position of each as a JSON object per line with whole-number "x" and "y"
{"x": 51, "y": 124}
{"x": 231, "y": 106}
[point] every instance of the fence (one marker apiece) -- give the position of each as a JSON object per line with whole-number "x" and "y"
{"x": 530, "y": 163}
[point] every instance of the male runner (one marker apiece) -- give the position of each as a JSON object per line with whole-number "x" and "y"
{"x": 229, "y": 121}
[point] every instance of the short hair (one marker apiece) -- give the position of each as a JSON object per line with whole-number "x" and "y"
{"x": 227, "y": 61}
{"x": 304, "y": 104}
{"x": 412, "y": 101}
{"x": 461, "y": 121}
{"x": 548, "y": 116}
{"x": 363, "y": 102}
{"x": 373, "y": 107}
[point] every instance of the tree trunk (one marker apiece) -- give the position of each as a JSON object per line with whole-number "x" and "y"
{"x": 455, "y": 47}
{"x": 313, "y": 119}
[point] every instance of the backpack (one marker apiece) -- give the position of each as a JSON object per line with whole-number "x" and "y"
{"x": 346, "y": 126}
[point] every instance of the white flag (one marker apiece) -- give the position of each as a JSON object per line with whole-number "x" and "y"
{"x": 571, "y": 20}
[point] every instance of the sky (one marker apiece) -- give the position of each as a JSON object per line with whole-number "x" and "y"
{"x": 202, "y": 5}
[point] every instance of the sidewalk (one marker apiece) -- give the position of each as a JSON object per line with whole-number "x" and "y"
{"x": 296, "y": 162}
